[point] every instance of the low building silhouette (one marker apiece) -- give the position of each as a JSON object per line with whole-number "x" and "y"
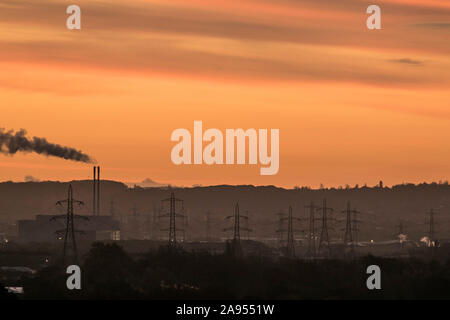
{"x": 42, "y": 229}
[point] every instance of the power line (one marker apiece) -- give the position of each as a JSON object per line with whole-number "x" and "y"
{"x": 400, "y": 227}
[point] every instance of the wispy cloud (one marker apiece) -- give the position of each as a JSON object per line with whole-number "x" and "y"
{"x": 408, "y": 61}
{"x": 188, "y": 39}
{"x": 434, "y": 25}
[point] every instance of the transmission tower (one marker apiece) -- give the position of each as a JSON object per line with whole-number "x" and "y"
{"x": 281, "y": 215}
{"x": 247, "y": 225}
{"x": 148, "y": 226}
{"x": 155, "y": 224}
{"x": 134, "y": 211}
{"x": 290, "y": 245}
{"x": 111, "y": 208}
{"x": 355, "y": 221}
{"x": 401, "y": 232}
{"x": 69, "y": 231}
{"x": 351, "y": 228}
{"x": 348, "y": 237}
{"x": 134, "y": 223}
{"x": 236, "y": 242}
{"x": 172, "y": 215}
{"x": 324, "y": 236}
{"x": 208, "y": 225}
{"x": 400, "y": 227}
{"x": 431, "y": 228}
{"x": 185, "y": 224}
{"x": 311, "y": 232}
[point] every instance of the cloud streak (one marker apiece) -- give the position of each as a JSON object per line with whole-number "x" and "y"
{"x": 204, "y": 41}
{"x": 407, "y": 61}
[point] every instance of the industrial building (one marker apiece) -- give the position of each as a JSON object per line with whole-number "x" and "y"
{"x": 45, "y": 229}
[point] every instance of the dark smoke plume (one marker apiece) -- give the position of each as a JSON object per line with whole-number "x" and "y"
{"x": 11, "y": 143}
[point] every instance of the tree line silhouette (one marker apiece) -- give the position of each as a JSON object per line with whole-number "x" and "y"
{"x": 108, "y": 272}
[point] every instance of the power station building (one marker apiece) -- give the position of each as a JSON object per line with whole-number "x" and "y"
{"x": 48, "y": 228}
{"x": 45, "y": 229}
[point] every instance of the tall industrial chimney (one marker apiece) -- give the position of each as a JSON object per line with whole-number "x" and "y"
{"x": 94, "y": 198}
{"x": 98, "y": 191}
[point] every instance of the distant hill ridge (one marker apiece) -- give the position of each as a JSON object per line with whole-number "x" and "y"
{"x": 381, "y": 207}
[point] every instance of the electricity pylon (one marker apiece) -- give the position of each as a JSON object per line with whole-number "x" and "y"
{"x": 208, "y": 226}
{"x": 324, "y": 236}
{"x": 148, "y": 226}
{"x": 311, "y": 232}
{"x": 348, "y": 236}
{"x": 155, "y": 224}
{"x": 172, "y": 215}
{"x": 185, "y": 224}
{"x": 69, "y": 231}
{"x": 355, "y": 228}
{"x": 401, "y": 232}
{"x": 351, "y": 227}
{"x": 290, "y": 245}
{"x": 400, "y": 227}
{"x": 112, "y": 211}
{"x": 236, "y": 242}
{"x": 431, "y": 228}
{"x": 135, "y": 223}
{"x": 247, "y": 225}
{"x": 279, "y": 231}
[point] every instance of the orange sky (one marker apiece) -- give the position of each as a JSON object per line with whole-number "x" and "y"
{"x": 353, "y": 106}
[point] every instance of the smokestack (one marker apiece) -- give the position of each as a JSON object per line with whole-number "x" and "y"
{"x": 94, "y": 198}
{"x": 12, "y": 142}
{"x": 98, "y": 190}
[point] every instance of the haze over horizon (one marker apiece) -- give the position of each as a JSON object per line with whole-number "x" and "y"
{"x": 149, "y": 183}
